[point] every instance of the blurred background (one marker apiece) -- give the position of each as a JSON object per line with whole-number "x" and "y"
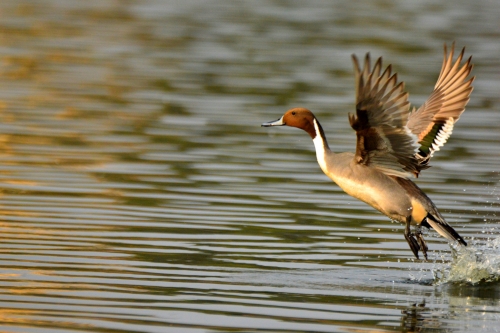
{"x": 138, "y": 192}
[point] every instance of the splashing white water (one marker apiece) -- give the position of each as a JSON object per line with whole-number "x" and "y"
{"x": 476, "y": 263}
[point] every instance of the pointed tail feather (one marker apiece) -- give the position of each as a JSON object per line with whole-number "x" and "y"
{"x": 444, "y": 229}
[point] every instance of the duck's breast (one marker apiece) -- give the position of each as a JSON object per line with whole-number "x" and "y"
{"x": 369, "y": 185}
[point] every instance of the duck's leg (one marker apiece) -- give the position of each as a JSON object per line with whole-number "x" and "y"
{"x": 410, "y": 238}
{"x": 421, "y": 242}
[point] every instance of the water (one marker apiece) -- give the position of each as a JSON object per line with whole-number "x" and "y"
{"x": 139, "y": 193}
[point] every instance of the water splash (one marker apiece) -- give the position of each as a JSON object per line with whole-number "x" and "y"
{"x": 477, "y": 263}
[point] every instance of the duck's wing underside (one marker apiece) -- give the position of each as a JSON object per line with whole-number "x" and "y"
{"x": 433, "y": 122}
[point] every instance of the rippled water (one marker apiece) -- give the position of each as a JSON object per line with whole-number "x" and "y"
{"x": 139, "y": 193}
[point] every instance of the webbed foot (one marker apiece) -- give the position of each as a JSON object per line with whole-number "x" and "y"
{"x": 414, "y": 244}
{"x": 422, "y": 243}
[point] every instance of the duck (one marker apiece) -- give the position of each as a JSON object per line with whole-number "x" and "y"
{"x": 394, "y": 143}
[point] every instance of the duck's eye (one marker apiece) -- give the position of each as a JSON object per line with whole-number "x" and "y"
{"x": 293, "y": 113}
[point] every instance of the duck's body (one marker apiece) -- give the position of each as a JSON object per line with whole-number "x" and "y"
{"x": 393, "y": 144}
{"x": 366, "y": 184}
{"x": 395, "y": 197}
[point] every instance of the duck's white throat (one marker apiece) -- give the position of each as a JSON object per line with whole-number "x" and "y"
{"x": 320, "y": 146}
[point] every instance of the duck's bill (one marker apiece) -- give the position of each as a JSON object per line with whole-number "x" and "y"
{"x": 278, "y": 122}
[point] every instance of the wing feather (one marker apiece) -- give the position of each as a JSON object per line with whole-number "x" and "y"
{"x": 443, "y": 107}
{"x": 382, "y": 108}
{"x": 392, "y": 139}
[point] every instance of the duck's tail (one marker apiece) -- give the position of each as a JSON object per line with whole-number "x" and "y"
{"x": 443, "y": 228}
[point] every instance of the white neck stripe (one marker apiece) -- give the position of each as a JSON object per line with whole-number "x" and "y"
{"x": 319, "y": 145}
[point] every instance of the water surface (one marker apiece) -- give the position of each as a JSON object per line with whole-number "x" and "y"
{"x": 140, "y": 194}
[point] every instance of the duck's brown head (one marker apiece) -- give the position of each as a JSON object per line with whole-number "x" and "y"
{"x": 298, "y": 117}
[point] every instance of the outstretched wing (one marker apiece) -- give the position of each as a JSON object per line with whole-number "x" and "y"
{"x": 433, "y": 122}
{"x": 382, "y": 109}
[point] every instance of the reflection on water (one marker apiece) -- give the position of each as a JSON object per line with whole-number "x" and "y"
{"x": 138, "y": 192}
